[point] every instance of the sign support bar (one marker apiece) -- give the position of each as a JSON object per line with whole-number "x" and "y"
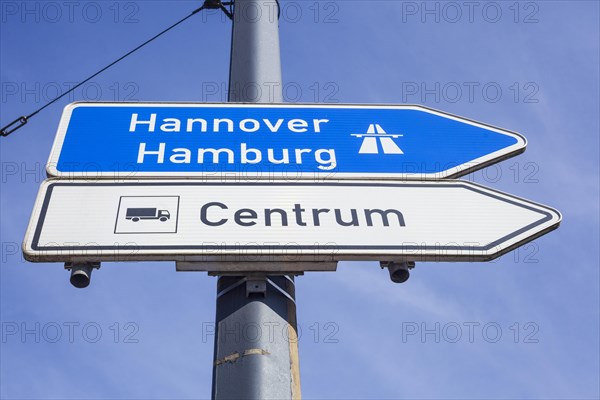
{"x": 256, "y": 342}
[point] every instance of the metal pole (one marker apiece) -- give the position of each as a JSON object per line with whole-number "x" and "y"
{"x": 256, "y": 343}
{"x": 255, "y": 69}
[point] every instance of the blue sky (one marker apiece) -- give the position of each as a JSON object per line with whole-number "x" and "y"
{"x": 533, "y": 67}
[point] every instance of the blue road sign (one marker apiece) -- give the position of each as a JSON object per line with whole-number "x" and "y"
{"x": 273, "y": 141}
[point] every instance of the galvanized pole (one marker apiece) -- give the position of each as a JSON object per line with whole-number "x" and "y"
{"x": 256, "y": 343}
{"x": 255, "y": 70}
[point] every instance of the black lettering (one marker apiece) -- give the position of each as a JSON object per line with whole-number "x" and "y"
{"x": 269, "y": 211}
{"x": 245, "y": 213}
{"x": 204, "y": 209}
{"x": 384, "y": 216}
{"x": 338, "y": 218}
{"x": 316, "y": 213}
{"x": 298, "y": 210}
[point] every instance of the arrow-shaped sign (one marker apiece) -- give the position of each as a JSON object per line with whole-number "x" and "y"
{"x": 279, "y": 221}
{"x": 266, "y": 141}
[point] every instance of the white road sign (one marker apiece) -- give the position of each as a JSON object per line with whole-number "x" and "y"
{"x": 278, "y": 221}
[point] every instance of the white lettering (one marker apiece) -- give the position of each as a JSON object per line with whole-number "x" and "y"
{"x": 299, "y": 153}
{"x": 326, "y": 164}
{"x": 181, "y": 156}
{"x": 245, "y": 160}
{"x": 317, "y": 123}
{"x": 284, "y": 160}
{"x": 297, "y": 125}
{"x": 273, "y": 128}
{"x": 190, "y": 124}
{"x": 325, "y": 158}
{"x": 244, "y": 125}
{"x": 171, "y": 125}
{"x": 217, "y": 123}
{"x": 134, "y": 123}
{"x": 160, "y": 153}
{"x": 215, "y": 153}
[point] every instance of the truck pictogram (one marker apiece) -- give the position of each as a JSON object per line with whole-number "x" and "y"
{"x": 136, "y": 214}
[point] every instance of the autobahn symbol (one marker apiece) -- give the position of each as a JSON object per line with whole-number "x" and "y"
{"x": 376, "y": 133}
